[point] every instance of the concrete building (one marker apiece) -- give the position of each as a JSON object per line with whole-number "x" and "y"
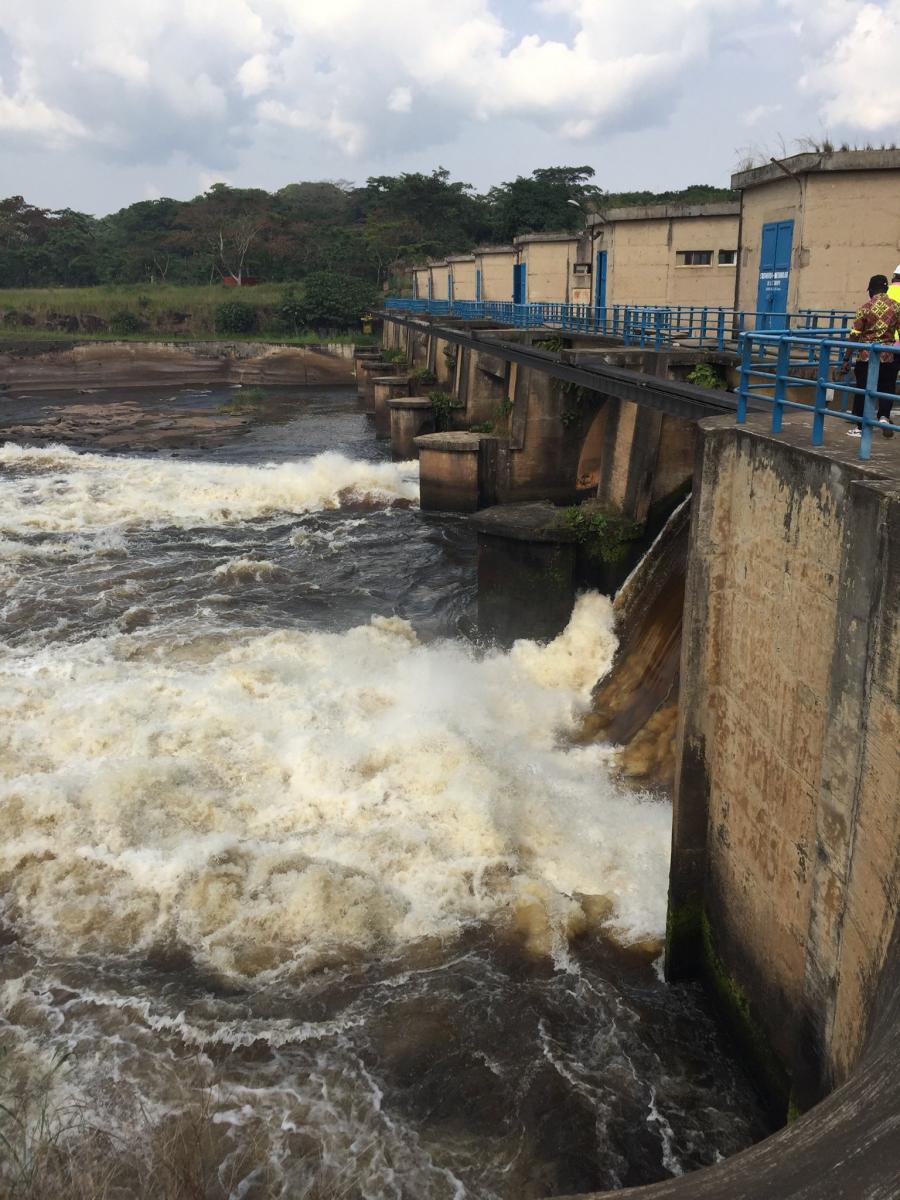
{"x": 441, "y": 279}
{"x": 421, "y": 282}
{"x": 663, "y": 254}
{"x": 815, "y": 227}
{"x": 494, "y": 271}
{"x": 544, "y": 267}
{"x": 463, "y": 271}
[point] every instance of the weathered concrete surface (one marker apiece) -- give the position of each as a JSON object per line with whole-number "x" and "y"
{"x": 786, "y": 846}
{"x": 134, "y": 364}
{"x": 411, "y": 416}
{"x": 449, "y": 471}
{"x": 635, "y": 705}
{"x": 385, "y": 388}
{"x": 526, "y": 561}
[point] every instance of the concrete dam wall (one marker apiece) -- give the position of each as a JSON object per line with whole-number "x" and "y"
{"x": 785, "y": 879}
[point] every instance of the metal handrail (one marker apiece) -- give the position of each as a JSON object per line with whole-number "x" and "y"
{"x": 769, "y": 363}
{"x": 642, "y": 325}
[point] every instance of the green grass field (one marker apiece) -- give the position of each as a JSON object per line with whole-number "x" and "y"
{"x": 187, "y": 310}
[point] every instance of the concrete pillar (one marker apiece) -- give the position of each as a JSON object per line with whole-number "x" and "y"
{"x": 386, "y": 387}
{"x": 366, "y": 370}
{"x": 449, "y": 471}
{"x": 526, "y": 572}
{"x": 444, "y": 365}
{"x": 482, "y": 387}
{"x": 410, "y": 417}
{"x": 419, "y": 340}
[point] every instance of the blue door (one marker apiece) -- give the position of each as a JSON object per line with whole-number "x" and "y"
{"x": 430, "y": 286}
{"x": 449, "y": 285}
{"x": 774, "y": 273}
{"x": 519, "y": 283}
{"x": 478, "y": 287}
{"x": 600, "y": 280}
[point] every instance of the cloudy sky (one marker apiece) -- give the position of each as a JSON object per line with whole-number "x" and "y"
{"x": 103, "y": 102}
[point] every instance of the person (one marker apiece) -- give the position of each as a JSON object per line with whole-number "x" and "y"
{"x": 877, "y": 321}
{"x": 894, "y": 289}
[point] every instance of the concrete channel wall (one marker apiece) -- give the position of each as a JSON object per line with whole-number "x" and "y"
{"x": 786, "y": 848}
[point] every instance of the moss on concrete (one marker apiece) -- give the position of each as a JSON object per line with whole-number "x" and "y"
{"x": 691, "y": 951}
{"x": 736, "y": 1008}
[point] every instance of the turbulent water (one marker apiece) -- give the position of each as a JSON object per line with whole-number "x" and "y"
{"x": 281, "y": 840}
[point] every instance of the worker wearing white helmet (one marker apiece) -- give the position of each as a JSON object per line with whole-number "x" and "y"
{"x": 894, "y": 289}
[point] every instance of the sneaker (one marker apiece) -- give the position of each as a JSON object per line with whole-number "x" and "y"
{"x": 886, "y": 430}
{"x": 854, "y": 433}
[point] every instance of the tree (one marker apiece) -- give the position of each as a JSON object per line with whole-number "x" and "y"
{"x": 541, "y": 202}
{"x": 334, "y": 301}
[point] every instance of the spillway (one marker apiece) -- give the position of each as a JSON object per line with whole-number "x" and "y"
{"x": 306, "y": 890}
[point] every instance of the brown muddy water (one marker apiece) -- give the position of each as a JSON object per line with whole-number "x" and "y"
{"x": 284, "y": 845}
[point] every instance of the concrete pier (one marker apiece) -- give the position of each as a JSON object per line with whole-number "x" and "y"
{"x": 526, "y": 567}
{"x": 411, "y": 416}
{"x": 450, "y": 471}
{"x": 384, "y": 388}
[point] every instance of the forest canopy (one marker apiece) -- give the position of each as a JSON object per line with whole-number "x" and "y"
{"x": 371, "y": 232}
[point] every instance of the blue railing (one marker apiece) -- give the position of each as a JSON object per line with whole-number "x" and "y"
{"x": 646, "y": 326}
{"x": 770, "y": 369}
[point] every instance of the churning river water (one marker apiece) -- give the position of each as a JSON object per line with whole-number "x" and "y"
{"x": 285, "y": 847}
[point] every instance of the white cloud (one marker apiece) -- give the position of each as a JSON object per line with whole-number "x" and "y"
{"x": 203, "y": 79}
{"x": 759, "y": 113}
{"x": 400, "y": 100}
{"x": 854, "y": 64}
{"x": 23, "y": 113}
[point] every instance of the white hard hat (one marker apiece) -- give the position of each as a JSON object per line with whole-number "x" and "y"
{"x": 897, "y": 269}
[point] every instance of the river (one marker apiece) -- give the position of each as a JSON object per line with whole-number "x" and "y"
{"x": 305, "y": 891}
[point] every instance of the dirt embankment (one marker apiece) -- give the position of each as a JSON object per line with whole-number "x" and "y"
{"x": 37, "y": 364}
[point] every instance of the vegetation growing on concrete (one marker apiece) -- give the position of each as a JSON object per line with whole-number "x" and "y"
{"x": 708, "y": 375}
{"x": 553, "y": 343}
{"x": 602, "y": 535}
{"x": 422, "y": 377}
{"x": 442, "y": 404}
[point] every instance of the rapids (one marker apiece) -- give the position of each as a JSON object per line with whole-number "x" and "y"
{"x": 278, "y": 832}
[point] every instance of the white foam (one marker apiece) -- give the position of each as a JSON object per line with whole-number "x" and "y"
{"x": 296, "y": 793}
{"x": 54, "y": 489}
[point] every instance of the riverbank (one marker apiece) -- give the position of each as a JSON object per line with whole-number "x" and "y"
{"x": 33, "y": 364}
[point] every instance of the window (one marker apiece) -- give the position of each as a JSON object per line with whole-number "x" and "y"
{"x": 727, "y": 258}
{"x": 693, "y": 258}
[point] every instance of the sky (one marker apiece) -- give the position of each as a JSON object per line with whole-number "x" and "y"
{"x": 106, "y": 102}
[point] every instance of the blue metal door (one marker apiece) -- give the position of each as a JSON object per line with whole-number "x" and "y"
{"x": 600, "y": 280}
{"x": 519, "y": 283}
{"x": 774, "y": 273}
{"x": 478, "y": 287}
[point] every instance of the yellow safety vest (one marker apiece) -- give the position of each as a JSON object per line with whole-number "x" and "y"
{"x": 894, "y": 294}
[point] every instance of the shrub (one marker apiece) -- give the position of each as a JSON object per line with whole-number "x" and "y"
{"x": 124, "y": 321}
{"x": 291, "y": 312}
{"x": 334, "y": 301}
{"x": 706, "y": 375}
{"x": 234, "y": 316}
{"x": 421, "y": 376}
{"x": 441, "y": 404}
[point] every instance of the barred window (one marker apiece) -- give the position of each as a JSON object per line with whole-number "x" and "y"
{"x": 693, "y": 258}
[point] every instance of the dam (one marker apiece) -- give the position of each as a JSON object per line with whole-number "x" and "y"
{"x": 409, "y": 940}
